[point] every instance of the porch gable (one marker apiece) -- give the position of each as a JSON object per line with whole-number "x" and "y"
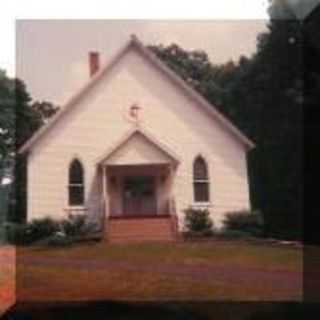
{"x": 138, "y": 148}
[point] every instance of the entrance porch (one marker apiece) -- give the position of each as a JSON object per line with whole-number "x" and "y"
{"x": 139, "y": 202}
{"x": 137, "y": 189}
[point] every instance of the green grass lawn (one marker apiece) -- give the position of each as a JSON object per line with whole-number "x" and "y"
{"x": 220, "y": 270}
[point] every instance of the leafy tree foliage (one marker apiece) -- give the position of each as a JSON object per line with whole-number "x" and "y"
{"x": 311, "y": 106}
{"x": 19, "y": 119}
{"x": 7, "y": 121}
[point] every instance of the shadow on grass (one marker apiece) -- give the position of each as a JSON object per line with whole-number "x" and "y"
{"x": 155, "y": 311}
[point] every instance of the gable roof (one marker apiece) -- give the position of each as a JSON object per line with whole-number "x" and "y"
{"x": 147, "y": 53}
{"x": 127, "y": 137}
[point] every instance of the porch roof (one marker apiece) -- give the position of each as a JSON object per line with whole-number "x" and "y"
{"x": 138, "y": 147}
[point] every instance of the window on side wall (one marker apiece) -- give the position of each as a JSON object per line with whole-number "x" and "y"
{"x": 76, "y": 183}
{"x": 200, "y": 180}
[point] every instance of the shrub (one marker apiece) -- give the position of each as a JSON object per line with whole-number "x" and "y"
{"x": 48, "y": 231}
{"x": 250, "y": 222}
{"x": 42, "y": 228}
{"x": 30, "y": 232}
{"x": 197, "y": 221}
{"x": 59, "y": 239}
{"x": 2, "y": 233}
{"x": 76, "y": 225}
{"x": 16, "y": 233}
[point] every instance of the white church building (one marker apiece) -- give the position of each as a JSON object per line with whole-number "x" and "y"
{"x": 133, "y": 149}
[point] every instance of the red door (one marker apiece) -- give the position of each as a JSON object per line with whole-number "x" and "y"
{"x": 139, "y": 196}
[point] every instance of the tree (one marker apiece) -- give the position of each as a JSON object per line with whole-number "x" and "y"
{"x": 311, "y": 107}
{"x": 19, "y": 119}
{"x": 7, "y": 121}
{"x": 277, "y": 162}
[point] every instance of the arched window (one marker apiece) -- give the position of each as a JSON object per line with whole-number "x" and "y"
{"x": 76, "y": 184}
{"x": 200, "y": 180}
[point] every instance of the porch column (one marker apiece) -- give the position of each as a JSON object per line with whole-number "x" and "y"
{"x": 171, "y": 196}
{"x": 168, "y": 189}
{"x": 172, "y": 201}
{"x": 104, "y": 190}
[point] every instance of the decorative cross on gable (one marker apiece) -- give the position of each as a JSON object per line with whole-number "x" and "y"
{"x": 134, "y": 112}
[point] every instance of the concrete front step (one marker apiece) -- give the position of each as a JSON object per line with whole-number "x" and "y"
{"x": 140, "y": 229}
{"x": 135, "y": 238}
{"x": 137, "y": 227}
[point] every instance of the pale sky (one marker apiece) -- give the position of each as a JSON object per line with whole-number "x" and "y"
{"x": 52, "y": 55}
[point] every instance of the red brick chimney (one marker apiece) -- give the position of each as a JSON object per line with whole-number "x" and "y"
{"x": 94, "y": 62}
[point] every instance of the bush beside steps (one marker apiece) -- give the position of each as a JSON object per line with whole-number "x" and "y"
{"x": 236, "y": 225}
{"x": 198, "y": 224}
{"x": 48, "y": 231}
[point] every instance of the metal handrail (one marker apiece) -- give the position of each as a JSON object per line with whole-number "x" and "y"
{"x": 104, "y": 218}
{"x": 174, "y": 217}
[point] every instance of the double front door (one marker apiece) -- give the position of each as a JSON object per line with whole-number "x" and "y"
{"x": 139, "y": 195}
